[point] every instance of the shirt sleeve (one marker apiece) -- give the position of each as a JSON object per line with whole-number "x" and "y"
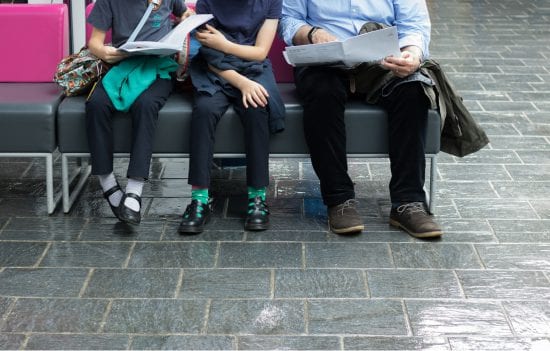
{"x": 275, "y": 9}
{"x": 101, "y": 16}
{"x": 413, "y": 24}
{"x": 293, "y": 17}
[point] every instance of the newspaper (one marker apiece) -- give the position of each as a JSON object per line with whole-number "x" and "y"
{"x": 367, "y": 47}
{"x": 171, "y": 43}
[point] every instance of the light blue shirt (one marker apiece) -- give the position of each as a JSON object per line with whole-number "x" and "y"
{"x": 344, "y": 18}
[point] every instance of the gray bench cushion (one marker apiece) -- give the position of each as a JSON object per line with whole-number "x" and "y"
{"x": 364, "y": 125}
{"x": 27, "y": 117}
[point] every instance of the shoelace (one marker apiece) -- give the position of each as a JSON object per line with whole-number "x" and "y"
{"x": 412, "y": 207}
{"x": 193, "y": 206}
{"x": 259, "y": 205}
{"x": 351, "y": 203}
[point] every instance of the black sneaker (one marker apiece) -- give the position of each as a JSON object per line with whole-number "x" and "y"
{"x": 258, "y": 215}
{"x": 344, "y": 218}
{"x": 196, "y": 215}
{"x": 415, "y": 220}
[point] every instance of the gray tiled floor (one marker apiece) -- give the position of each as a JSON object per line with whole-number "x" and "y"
{"x": 82, "y": 280}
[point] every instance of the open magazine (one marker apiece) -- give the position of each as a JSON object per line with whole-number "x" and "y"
{"x": 171, "y": 43}
{"x": 367, "y": 47}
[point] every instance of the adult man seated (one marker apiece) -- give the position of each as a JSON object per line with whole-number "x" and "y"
{"x": 324, "y": 91}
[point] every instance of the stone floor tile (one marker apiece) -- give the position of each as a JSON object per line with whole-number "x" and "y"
{"x": 225, "y": 284}
{"x": 55, "y": 316}
{"x": 529, "y": 318}
{"x": 422, "y": 284}
{"x": 428, "y": 255}
{"x": 288, "y": 343}
{"x": 347, "y": 255}
{"x": 156, "y": 316}
{"x": 492, "y": 208}
{"x": 256, "y": 317}
{"x": 20, "y": 254}
{"x": 77, "y": 342}
{"x": 86, "y": 254}
{"x": 515, "y": 256}
{"x": 132, "y": 283}
{"x": 319, "y": 283}
{"x": 369, "y": 317}
{"x": 498, "y": 344}
{"x": 114, "y": 230}
{"x": 260, "y": 255}
{"x": 432, "y": 318}
{"x": 396, "y": 343}
{"x": 11, "y": 341}
{"x": 42, "y": 282}
{"x": 511, "y": 285}
{"x": 173, "y": 255}
{"x": 183, "y": 342}
{"x": 209, "y": 235}
{"x": 287, "y": 235}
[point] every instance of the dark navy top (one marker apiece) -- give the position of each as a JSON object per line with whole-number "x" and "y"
{"x": 122, "y": 16}
{"x": 241, "y": 20}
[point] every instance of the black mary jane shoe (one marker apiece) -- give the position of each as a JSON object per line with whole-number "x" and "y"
{"x": 126, "y": 214}
{"x": 110, "y": 192}
{"x": 258, "y": 215}
{"x": 196, "y": 215}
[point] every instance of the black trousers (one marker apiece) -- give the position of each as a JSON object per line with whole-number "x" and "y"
{"x": 144, "y": 114}
{"x": 207, "y": 112}
{"x": 324, "y": 92}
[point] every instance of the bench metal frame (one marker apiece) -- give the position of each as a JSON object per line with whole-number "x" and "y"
{"x": 84, "y": 171}
{"x": 52, "y": 199}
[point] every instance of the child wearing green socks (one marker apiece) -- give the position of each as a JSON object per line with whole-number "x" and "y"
{"x": 232, "y": 69}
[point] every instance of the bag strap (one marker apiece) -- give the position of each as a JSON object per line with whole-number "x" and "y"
{"x": 153, "y": 4}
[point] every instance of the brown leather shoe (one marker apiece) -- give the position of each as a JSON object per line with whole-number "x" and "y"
{"x": 415, "y": 220}
{"x": 344, "y": 218}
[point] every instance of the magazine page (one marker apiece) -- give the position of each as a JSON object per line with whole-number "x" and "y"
{"x": 171, "y": 43}
{"x": 372, "y": 46}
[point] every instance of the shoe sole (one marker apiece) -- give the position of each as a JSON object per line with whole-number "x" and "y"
{"x": 347, "y": 230}
{"x": 193, "y": 229}
{"x": 432, "y": 234}
{"x": 256, "y": 227}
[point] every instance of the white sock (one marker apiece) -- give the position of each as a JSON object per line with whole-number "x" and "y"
{"x": 107, "y": 181}
{"x": 134, "y": 186}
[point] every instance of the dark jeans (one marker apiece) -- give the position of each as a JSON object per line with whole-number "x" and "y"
{"x": 324, "y": 92}
{"x": 144, "y": 114}
{"x": 207, "y": 112}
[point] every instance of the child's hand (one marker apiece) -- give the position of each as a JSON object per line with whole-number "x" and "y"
{"x": 254, "y": 94}
{"x": 212, "y": 38}
{"x": 187, "y": 13}
{"x": 112, "y": 55}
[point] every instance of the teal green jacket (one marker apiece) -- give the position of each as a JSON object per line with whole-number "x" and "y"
{"x": 131, "y": 77}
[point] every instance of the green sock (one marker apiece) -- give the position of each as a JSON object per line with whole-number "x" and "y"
{"x": 253, "y": 192}
{"x": 200, "y": 195}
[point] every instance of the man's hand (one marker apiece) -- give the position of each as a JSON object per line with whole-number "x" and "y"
{"x": 322, "y": 36}
{"x": 407, "y": 64}
{"x": 319, "y": 35}
{"x": 212, "y": 38}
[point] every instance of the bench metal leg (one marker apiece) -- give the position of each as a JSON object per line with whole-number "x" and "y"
{"x": 82, "y": 172}
{"x": 52, "y": 199}
{"x": 433, "y": 177}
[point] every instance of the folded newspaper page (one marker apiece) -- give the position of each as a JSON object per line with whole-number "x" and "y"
{"x": 367, "y": 47}
{"x": 171, "y": 43}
